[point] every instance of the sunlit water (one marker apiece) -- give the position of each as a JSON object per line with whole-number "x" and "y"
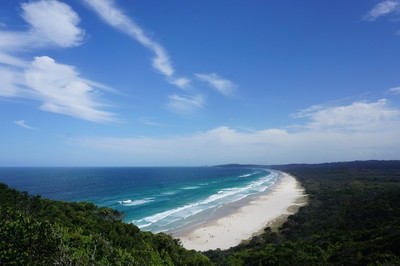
{"x": 154, "y": 198}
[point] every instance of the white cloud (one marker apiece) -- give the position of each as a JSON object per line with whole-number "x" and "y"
{"x": 395, "y": 90}
{"x": 61, "y": 90}
{"x": 182, "y": 82}
{"x": 10, "y": 60}
{"x": 8, "y": 88}
{"x": 161, "y": 62}
{"x": 115, "y": 17}
{"x": 185, "y": 104}
{"x": 223, "y": 86}
{"x": 381, "y": 9}
{"x": 58, "y": 87}
{"x": 107, "y": 10}
{"x": 23, "y": 124}
{"x": 15, "y": 41}
{"x": 52, "y": 23}
{"x": 360, "y": 137}
{"x": 354, "y": 117}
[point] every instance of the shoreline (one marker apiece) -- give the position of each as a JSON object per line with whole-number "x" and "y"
{"x": 239, "y": 221}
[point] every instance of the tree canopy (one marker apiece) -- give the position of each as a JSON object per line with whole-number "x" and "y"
{"x": 36, "y": 231}
{"x": 352, "y": 218}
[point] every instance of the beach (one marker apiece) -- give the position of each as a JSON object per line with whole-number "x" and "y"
{"x": 241, "y": 220}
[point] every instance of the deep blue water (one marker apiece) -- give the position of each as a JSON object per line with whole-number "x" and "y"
{"x": 154, "y": 198}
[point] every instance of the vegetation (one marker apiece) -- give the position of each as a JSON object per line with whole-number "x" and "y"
{"x": 35, "y": 231}
{"x": 353, "y": 218}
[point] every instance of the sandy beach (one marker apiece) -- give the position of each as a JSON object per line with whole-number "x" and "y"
{"x": 245, "y": 219}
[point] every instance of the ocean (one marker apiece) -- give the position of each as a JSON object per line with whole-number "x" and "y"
{"x": 156, "y": 199}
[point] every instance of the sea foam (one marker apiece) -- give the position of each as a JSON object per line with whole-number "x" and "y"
{"x": 163, "y": 221}
{"x": 130, "y": 202}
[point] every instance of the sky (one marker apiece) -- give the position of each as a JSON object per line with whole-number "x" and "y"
{"x": 193, "y": 83}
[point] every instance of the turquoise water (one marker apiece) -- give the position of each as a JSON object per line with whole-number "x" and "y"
{"x": 154, "y": 198}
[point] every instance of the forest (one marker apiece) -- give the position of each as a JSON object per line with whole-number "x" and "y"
{"x": 36, "y": 231}
{"x": 352, "y": 218}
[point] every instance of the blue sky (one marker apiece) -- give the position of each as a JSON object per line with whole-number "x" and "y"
{"x": 179, "y": 83}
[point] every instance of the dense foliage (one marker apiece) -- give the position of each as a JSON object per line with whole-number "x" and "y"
{"x": 353, "y": 218}
{"x": 35, "y": 231}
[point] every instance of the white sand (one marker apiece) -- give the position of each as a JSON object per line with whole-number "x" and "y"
{"x": 247, "y": 220}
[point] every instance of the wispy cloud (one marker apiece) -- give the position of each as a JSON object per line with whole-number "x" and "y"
{"x": 150, "y": 121}
{"x": 8, "y": 80}
{"x": 59, "y": 87}
{"x": 354, "y": 117}
{"x": 382, "y": 9}
{"x": 185, "y": 104}
{"x": 161, "y": 61}
{"x": 23, "y": 124}
{"x": 62, "y": 91}
{"x": 7, "y": 59}
{"x": 223, "y": 86}
{"x": 395, "y": 90}
{"x": 350, "y": 132}
{"x": 112, "y": 15}
{"x": 181, "y": 82}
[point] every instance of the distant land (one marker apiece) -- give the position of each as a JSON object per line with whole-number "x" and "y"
{"x": 370, "y": 164}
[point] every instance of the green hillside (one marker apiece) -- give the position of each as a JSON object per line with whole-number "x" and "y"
{"x": 353, "y": 218}
{"x": 35, "y": 231}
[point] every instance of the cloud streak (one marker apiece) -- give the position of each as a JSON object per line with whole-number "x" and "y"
{"x": 185, "y": 104}
{"x": 181, "y": 82}
{"x": 223, "y": 86}
{"x": 382, "y": 9}
{"x": 112, "y": 15}
{"x": 395, "y": 90}
{"x": 23, "y": 124}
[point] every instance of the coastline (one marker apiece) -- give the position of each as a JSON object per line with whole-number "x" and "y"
{"x": 241, "y": 220}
